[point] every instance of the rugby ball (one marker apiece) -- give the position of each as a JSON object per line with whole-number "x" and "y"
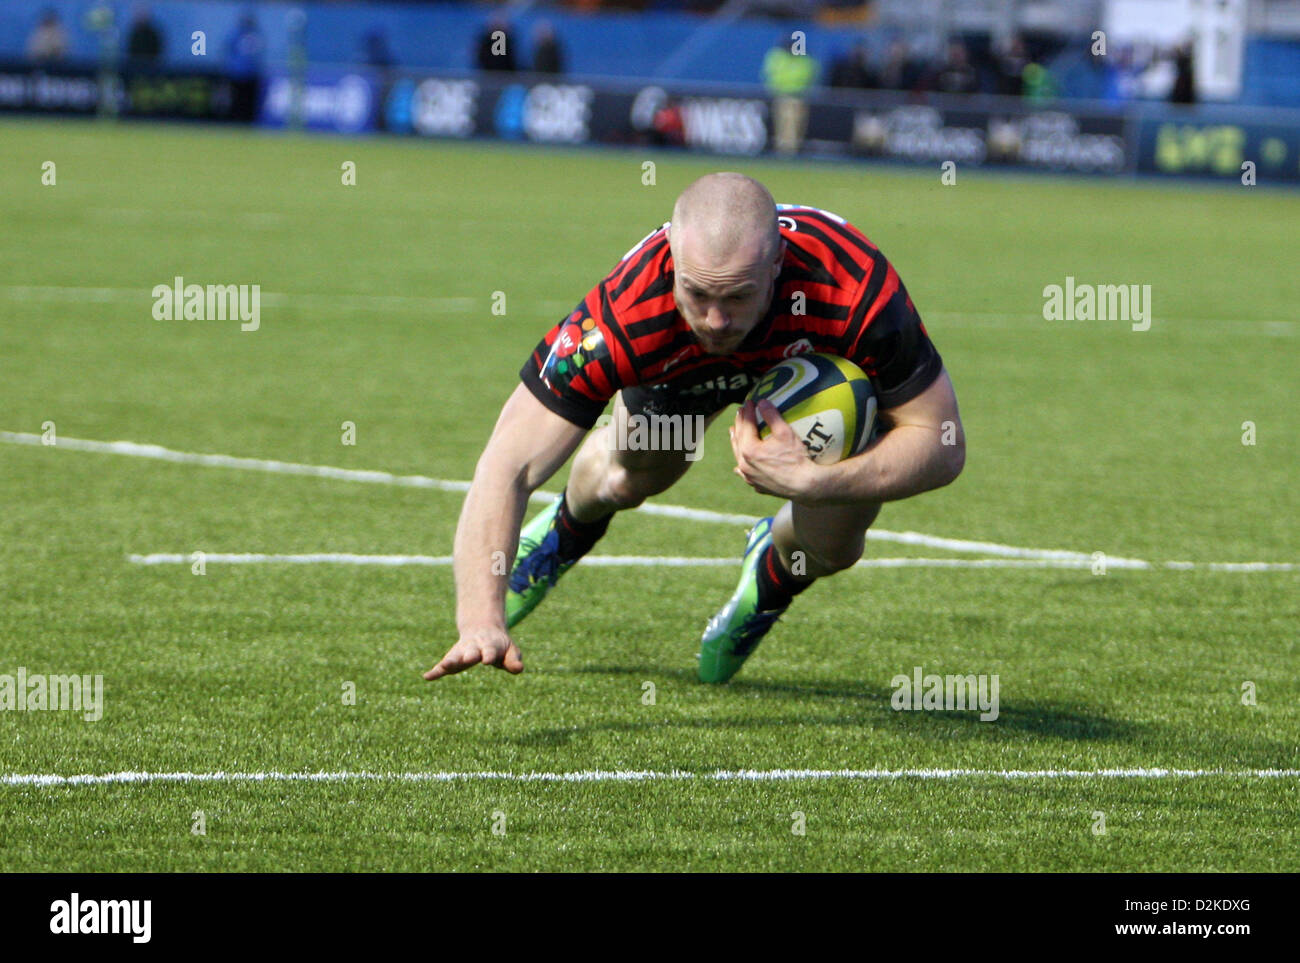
{"x": 827, "y": 400}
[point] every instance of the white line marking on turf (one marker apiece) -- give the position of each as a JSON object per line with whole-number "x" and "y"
{"x": 138, "y": 450}
{"x": 252, "y": 218}
{"x": 1237, "y": 566}
{"x": 143, "y": 295}
{"x": 640, "y": 775}
{"x": 649, "y": 561}
{"x": 1056, "y": 558}
{"x": 345, "y": 558}
{"x": 268, "y": 220}
{"x": 900, "y": 538}
{"x": 1267, "y": 326}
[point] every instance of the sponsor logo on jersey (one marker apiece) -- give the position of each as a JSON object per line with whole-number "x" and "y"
{"x": 574, "y": 346}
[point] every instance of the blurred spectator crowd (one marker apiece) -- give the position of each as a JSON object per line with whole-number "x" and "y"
{"x": 497, "y": 50}
{"x": 142, "y": 42}
{"x": 1040, "y": 70}
{"x": 1035, "y": 68}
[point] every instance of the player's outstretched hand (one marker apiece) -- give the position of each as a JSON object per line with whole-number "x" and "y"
{"x": 484, "y": 646}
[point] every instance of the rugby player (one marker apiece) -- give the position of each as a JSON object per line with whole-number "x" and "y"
{"x": 686, "y": 323}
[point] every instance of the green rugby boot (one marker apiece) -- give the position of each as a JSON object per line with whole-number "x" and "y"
{"x": 537, "y": 565}
{"x": 734, "y": 633}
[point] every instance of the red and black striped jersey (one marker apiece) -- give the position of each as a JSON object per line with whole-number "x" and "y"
{"x": 835, "y": 293}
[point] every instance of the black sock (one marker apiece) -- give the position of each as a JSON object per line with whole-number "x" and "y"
{"x": 577, "y": 538}
{"x": 776, "y": 586}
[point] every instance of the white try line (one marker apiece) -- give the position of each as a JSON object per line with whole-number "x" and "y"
{"x": 612, "y": 561}
{"x": 639, "y": 775}
{"x": 159, "y": 453}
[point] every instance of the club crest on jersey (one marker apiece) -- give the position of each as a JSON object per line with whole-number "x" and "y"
{"x": 802, "y": 346}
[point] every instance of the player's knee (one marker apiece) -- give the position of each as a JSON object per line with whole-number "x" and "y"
{"x": 832, "y": 556}
{"x": 627, "y": 487}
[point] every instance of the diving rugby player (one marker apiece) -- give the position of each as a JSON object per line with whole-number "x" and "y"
{"x": 686, "y": 324}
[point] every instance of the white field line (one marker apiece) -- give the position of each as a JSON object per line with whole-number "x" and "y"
{"x": 1005, "y": 555}
{"x": 265, "y": 221}
{"x": 138, "y": 450}
{"x": 1236, "y": 566}
{"x": 1268, "y": 326}
{"x": 251, "y": 218}
{"x": 157, "y": 452}
{"x": 646, "y": 561}
{"x": 143, "y": 296}
{"x": 640, "y": 775}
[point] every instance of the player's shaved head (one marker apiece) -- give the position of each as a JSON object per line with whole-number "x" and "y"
{"x": 727, "y": 253}
{"x": 723, "y": 217}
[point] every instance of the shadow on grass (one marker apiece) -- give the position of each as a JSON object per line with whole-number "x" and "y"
{"x": 1020, "y": 722}
{"x": 871, "y": 708}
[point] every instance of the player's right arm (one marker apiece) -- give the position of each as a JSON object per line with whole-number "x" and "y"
{"x": 528, "y": 445}
{"x": 577, "y": 367}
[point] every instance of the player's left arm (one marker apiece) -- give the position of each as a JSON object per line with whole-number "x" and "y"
{"x": 924, "y": 449}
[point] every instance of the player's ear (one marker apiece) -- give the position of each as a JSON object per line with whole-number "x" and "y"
{"x": 779, "y": 260}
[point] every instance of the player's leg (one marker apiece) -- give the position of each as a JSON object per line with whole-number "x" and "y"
{"x": 783, "y": 556}
{"x": 813, "y": 541}
{"x": 606, "y": 477}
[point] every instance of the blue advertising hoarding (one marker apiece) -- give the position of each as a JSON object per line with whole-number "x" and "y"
{"x": 337, "y": 100}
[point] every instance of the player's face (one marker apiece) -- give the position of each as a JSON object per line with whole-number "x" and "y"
{"x": 722, "y": 301}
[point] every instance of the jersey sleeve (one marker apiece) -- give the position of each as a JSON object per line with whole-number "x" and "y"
{"x": 574, "y": 370}
{"x": 889, "y": 342}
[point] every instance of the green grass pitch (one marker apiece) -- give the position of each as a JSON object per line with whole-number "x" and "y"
{"x": 1083, "y": 436}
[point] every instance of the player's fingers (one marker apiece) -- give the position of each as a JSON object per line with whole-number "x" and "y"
{"x": 735, "y": 445}
{"x": 744, "y": 471}
{"x": 448, "y": 666}
{"x": 780, "y": 428}
{"x": 746, "y": 425}
{"x": 457, "y": 660}
{"x": 745, "y": 430}
{"x": 513, "y": 662}
{"x": 445, "y": 667}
